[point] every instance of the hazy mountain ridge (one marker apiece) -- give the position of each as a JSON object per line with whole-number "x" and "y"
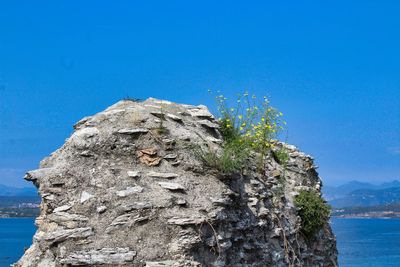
{"x": 359, "y": 194}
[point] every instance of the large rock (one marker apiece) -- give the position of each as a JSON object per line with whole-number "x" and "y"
{"x": 126, "y": 189}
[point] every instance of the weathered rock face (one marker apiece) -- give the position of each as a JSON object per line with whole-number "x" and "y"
{"x": 122, "y": 192}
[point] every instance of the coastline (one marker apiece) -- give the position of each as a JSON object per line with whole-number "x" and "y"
{"x": 367, "y": 215}
{"x": 363, "y": 217}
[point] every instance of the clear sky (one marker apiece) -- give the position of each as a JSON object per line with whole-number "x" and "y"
{"x": 332, "y": 67}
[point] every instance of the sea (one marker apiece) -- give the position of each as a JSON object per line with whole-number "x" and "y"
{"x": 367, "y": 242}
{"x": 361, "y": 242}
{"x": 15, "y": 236}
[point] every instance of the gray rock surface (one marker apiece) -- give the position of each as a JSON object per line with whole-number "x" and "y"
{"x": 116, "y": 256}
{"x": 171, "y": 186}
{"x": 120, "y": 192}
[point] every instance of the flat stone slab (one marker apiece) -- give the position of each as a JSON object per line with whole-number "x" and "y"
{"x": 214, "y": 140}
{"x": 62, "y": 216}
{"x": 170, "y": 156}
{"x": 200, "y": 112}
{"x": 164, "y": 175}
{"x": 133, "y": 174}
{"x": 114, "y": 256}
{"x": 174, "y": 117}
{"x": 129, "y": 191}
{"x": 185, "y": 220}
{"x": 208, "y": 124}
{"x": 62, "y": 208}
{"x": 130, "y": 219}
{"x": 61, "y": 235}
{"x": 162, "y": 264}
{"x": 85, "y": 196}
{"x": 101, "y": 209}
{"x": 158, "y": 114}
{"x": 39, "y": 174}
{"x": 134, "y": 131}
{"x": 221, "y": 201}
{"x": 171, "y": 186}
{"x": 137, "y": 206}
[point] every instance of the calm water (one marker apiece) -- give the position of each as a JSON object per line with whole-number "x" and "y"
{"x": 15, "y": 235}
{"x": 368, "y": 242}
{"x": 361, "y": 242}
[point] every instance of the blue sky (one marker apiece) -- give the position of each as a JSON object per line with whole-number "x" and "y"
{"x": 332, "y": 67}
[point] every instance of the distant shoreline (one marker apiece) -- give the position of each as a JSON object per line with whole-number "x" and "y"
{"x": 372, "y": 215}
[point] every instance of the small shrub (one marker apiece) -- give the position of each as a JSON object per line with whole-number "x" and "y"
{"x": 313, "y": 211}
{"x": 248, "y": 126}
{"x": 249, "y": 118}
{"x": 232, "y": 158}
{"x": 228, "y": 132}
{"x": 161, "y": 130}
{"x": 281, "y": 156}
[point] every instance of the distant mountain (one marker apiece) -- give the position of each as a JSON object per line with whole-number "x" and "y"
{"x": 368, "y": 198}
{"x": 336, "y": 192}
{"x": 8, "y": 191}
{"x": 394, "y": 183}
{"x": 359, "y": 194}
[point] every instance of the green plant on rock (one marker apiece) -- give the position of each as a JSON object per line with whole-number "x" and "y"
{"x": 250, "y": 124}
{"x": 232, "y": 158}
{"x": 161, "y": 129}
{"x": 281, "y": 156}
{"x": 313, "y": 211}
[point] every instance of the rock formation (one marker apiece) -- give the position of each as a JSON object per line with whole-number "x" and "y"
{"x": 127, "y": 190}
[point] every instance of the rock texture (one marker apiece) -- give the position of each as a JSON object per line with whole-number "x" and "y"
{"x": 127, "y": 190}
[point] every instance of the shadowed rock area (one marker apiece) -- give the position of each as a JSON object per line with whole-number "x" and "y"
{"x": 126, "y": 189}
